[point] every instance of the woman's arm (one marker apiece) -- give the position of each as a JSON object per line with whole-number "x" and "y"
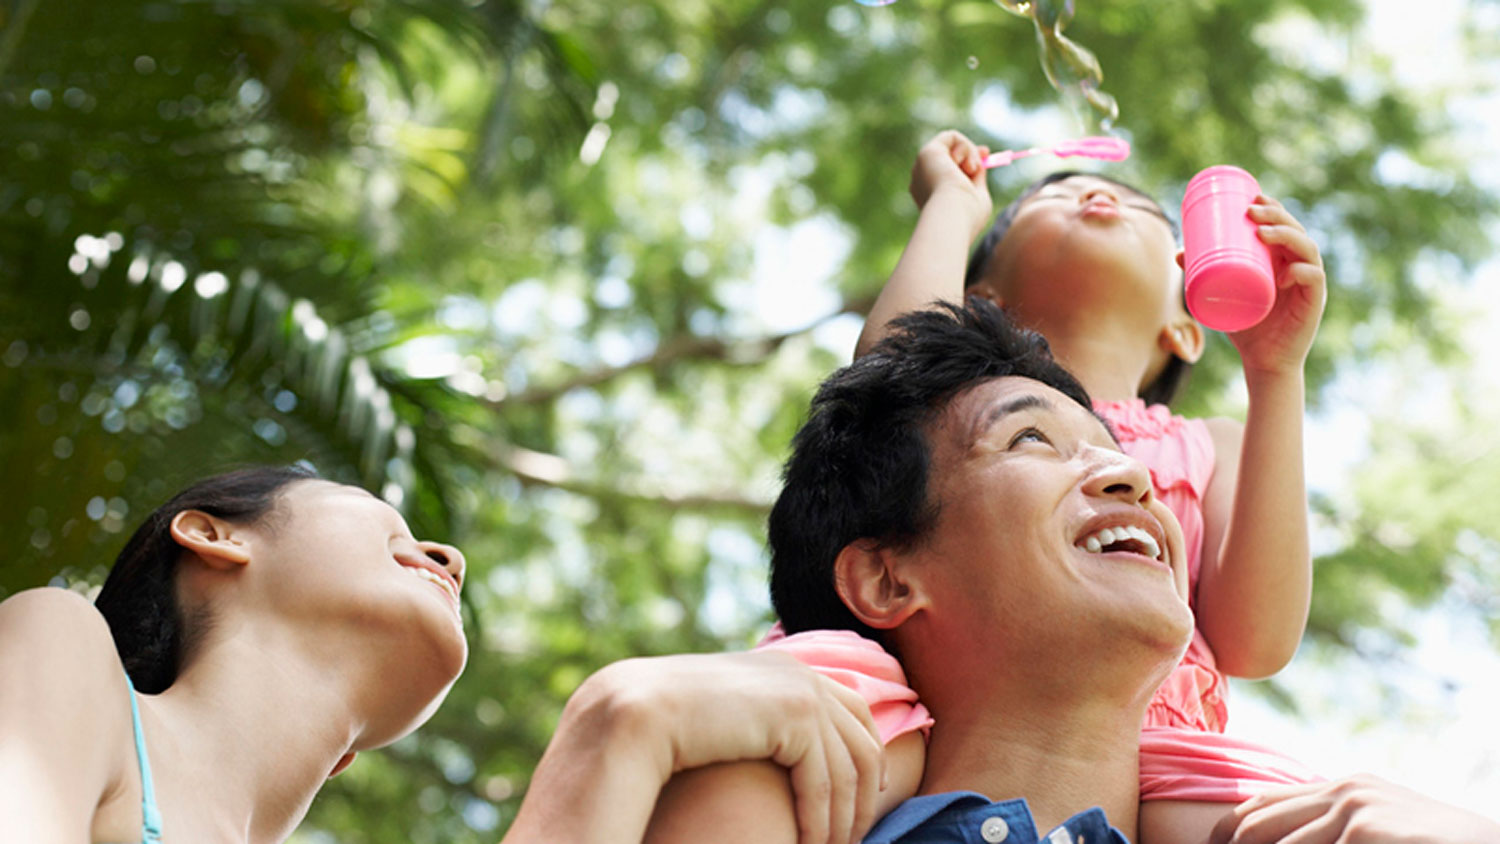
{"x": 64, "y": 716}
{"x": 752, "y": 802}
{"x": 1356, "y": 810}
{"x": 633, "y": 725}
{"x": 948, "y": 184}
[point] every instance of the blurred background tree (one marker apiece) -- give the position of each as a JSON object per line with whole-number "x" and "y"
{"x": 558, "y": 278}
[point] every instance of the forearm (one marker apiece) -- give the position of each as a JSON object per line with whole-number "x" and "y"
{"x": 599, "y": 778}
{"x": 1253, "y": 595}
{"x": 931, "y": 267}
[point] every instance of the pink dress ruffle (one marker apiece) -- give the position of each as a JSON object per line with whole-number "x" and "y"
{"x": 865, "y": 667}
{"x": 1184, "y": 752}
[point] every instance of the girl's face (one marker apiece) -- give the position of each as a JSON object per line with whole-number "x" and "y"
{"x": 1086, "y": 239}
{"x": 343, "y": 565}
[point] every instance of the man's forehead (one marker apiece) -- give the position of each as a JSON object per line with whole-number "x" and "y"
{"x": 974, "y": 410}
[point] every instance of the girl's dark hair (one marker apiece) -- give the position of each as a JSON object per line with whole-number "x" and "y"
{"x": 1174, "y": 374}
{"x": 139, "y": 598}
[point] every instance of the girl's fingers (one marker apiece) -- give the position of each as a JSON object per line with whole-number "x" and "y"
{"x": 1302, "y": 275}
{"x": 1293, "y": 240}
{"x": 1267, "y": 210}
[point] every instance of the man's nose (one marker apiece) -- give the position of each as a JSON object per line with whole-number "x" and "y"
{"x": 447, "y": 556}
{"x": 1116, "y": 475}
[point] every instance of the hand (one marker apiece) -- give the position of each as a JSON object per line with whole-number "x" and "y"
{"x": 764, "y": 705}
{"x": 1280, "y": 342}
{"x": 1358, "y": 810}
{"x": 951, "y": 161}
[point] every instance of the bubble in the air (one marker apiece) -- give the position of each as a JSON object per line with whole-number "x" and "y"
{"x": 1071, "y": 69}
{"x": 973, "y": 62}
{"x": 874, "y": 2}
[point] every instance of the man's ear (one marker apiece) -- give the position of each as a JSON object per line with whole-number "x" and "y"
{"x": 1182, "y": 337}
{"x": 873, "y": 583}
{"x": 217, "y": 543}
{"x": 344, "y": 761}
{"x": 984, "y": 289}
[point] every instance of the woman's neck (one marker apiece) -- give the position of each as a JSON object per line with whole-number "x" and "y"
{"x": 243, "y": 740}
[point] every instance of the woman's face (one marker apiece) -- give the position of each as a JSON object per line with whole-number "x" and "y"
{"x": 343, "y": 564}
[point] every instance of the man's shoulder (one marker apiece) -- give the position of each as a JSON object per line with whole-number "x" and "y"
{"x": 972, "y": 818}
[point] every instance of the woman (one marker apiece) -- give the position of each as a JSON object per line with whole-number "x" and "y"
{"x": 243, "y": 650}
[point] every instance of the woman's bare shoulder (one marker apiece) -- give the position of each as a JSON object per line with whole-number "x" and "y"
{"x": 65, "y": 724}
{"x": 57, "y": 660}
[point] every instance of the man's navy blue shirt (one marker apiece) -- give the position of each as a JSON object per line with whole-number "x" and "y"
{"x": 964, "y": 817}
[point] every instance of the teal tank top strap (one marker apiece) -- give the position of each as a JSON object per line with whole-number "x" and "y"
{"x": 150, "y": 814}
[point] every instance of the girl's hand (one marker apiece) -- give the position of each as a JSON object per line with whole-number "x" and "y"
{"x": 952, "y": 162}
{"x": 1357, "y": 810}
{"x": 1280, "y": 342}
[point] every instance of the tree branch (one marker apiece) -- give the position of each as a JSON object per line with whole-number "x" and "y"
{"x": 536, "y": 468}
{"x": 682, "y": 347}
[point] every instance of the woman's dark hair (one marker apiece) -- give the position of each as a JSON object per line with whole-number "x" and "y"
{"x": 1174, "y": 374}
{"x": 139, "y": 598}
{"x": 859, "y": 465}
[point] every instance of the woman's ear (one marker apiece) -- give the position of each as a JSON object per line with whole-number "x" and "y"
{"x": 873, "y": 583}
{"x": 219, "y": 544}
{"x": 1182, "y": 337}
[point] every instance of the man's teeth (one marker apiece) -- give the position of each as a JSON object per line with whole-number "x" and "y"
{"x": 1100, "y": 540}
{"x": 427, "y": 574}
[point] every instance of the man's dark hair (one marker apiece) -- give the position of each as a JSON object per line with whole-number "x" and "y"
{"x": 1174, "y": 374}
{"x": 860, "y": 464}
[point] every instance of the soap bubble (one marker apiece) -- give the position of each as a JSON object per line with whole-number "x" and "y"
{"x": 973, "y": 62}
{"x": 874, "y": 2}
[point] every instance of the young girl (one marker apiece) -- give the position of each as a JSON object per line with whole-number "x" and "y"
{"x": 263, "y": 626}
{"x": 1093, "y": 265}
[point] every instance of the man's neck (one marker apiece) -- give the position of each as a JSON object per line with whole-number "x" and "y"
{"x": 1063, "y": 760}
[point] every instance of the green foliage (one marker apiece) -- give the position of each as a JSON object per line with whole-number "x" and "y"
{"x": 532, "y": 242}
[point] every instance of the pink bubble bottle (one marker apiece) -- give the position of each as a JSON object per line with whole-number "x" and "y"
{"x": 1230, "y": 284}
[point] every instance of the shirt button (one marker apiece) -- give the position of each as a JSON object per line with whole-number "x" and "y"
{"x": 994, "y": 830}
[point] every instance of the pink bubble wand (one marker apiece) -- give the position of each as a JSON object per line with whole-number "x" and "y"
{"x": 1101, "y": 147}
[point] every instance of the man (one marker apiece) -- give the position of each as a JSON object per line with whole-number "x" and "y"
{"x": 954, "y": 497}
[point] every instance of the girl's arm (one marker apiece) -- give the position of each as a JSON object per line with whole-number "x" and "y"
{"x": 948, "y": 184}
{"x": 1256, "y": 581}
{"x": 633, "y": 725}
{"x": 64, "y": 717}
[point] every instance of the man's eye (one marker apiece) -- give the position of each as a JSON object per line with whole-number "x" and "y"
{"x": 1029, "y": 435}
